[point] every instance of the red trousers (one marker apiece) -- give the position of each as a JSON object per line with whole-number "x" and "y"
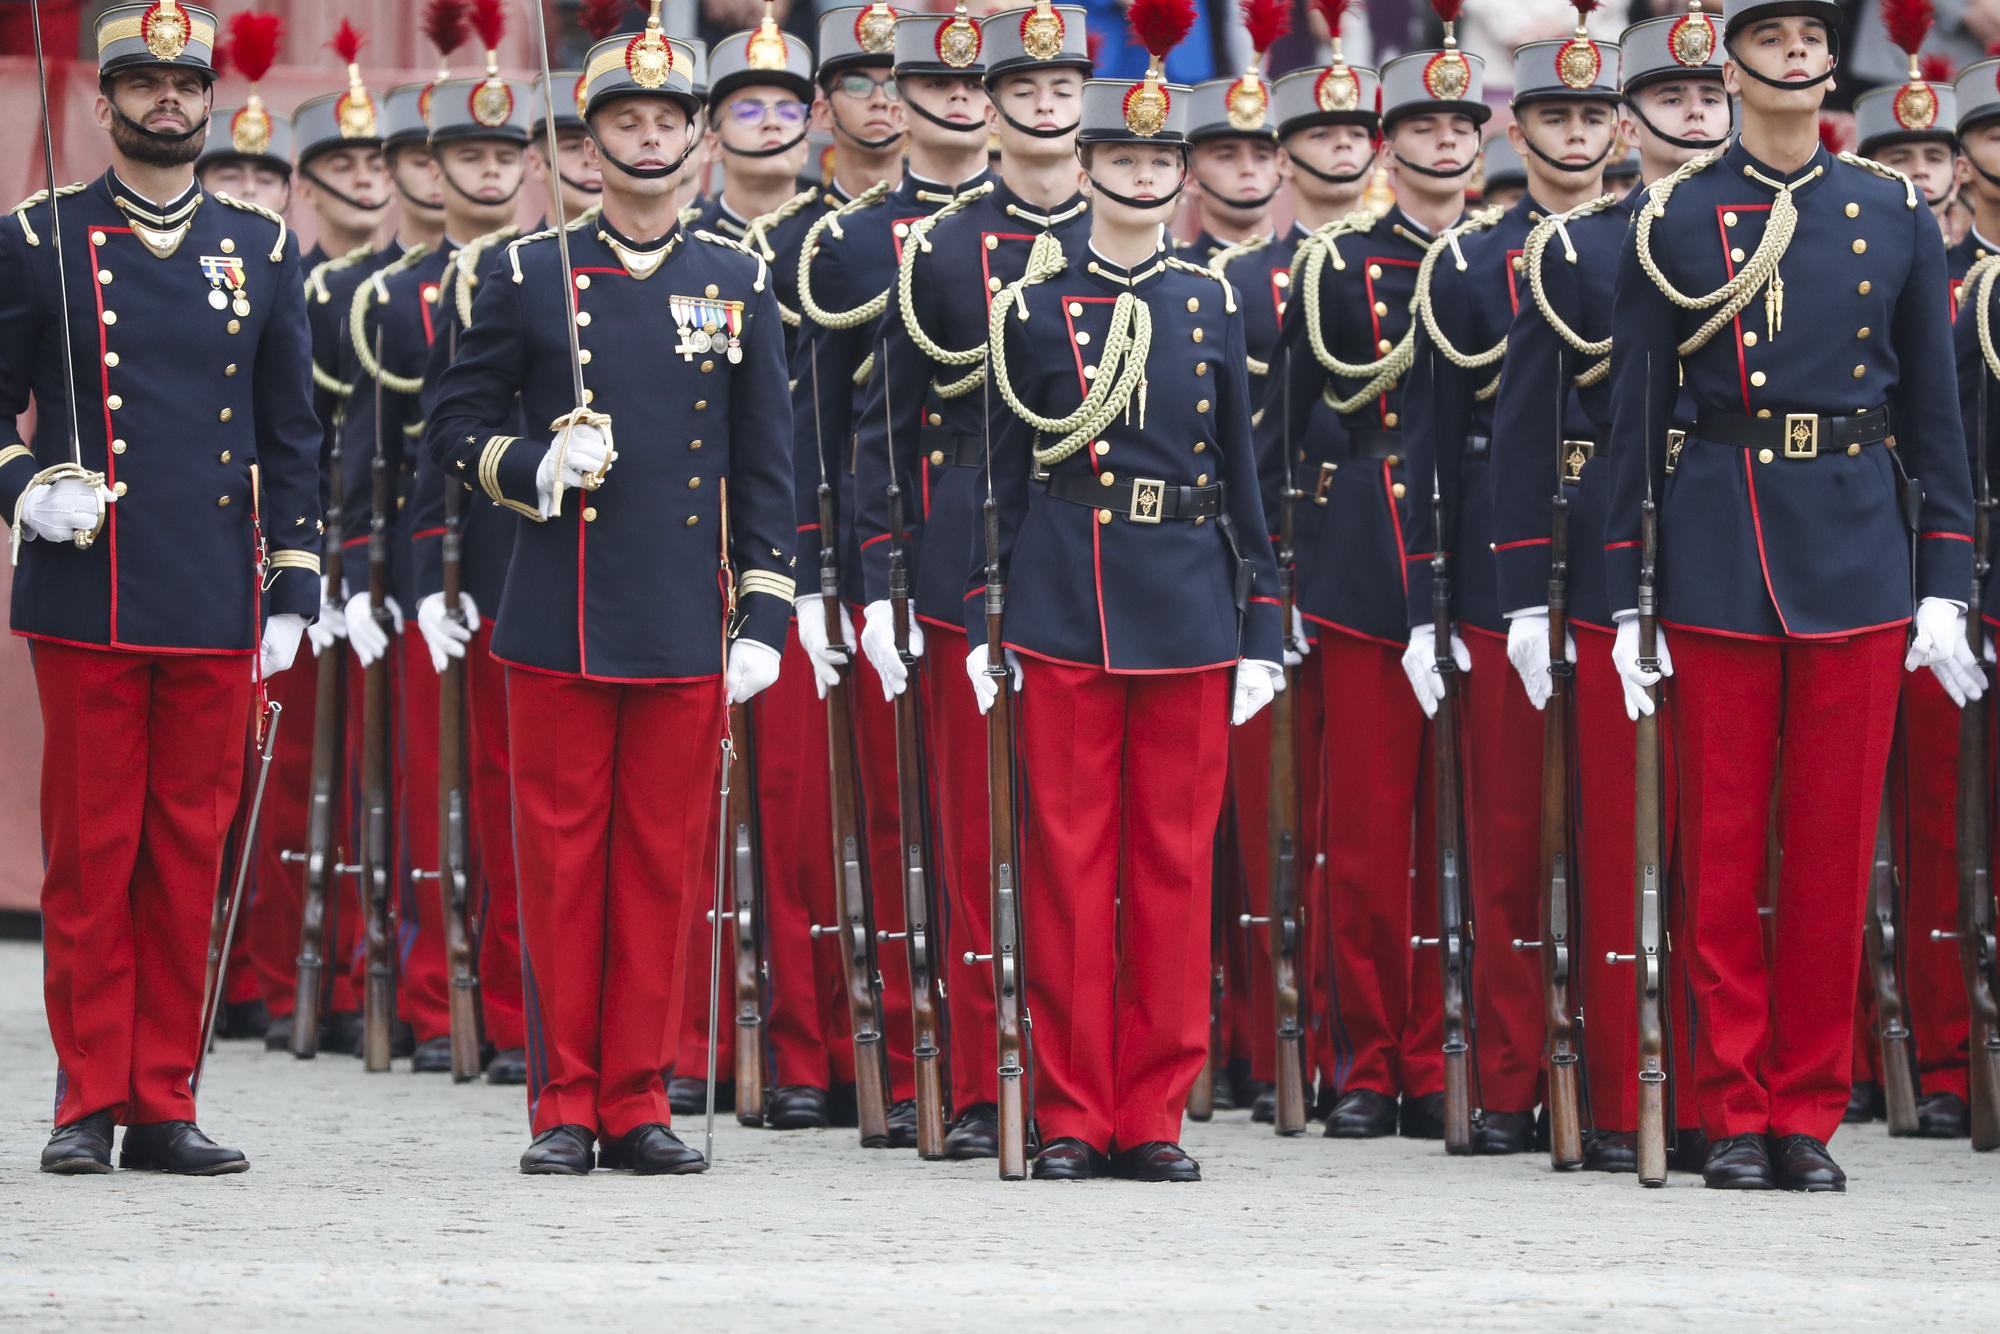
{"x": 1776, "y": 1034}
{"x": 141, "y": 763}
{"x": 490, "y": 783}
{"x": 615, "y": 850}
{"x": 423, "y": 984}
{"x": 1386, "y": 1019}
{"x": 957, "y": 733}
{"x": 1503, "y": 815}
{"x": 1923, "y": 787}
{"x": 1125, "y": 776}
{"x": 279, "y": 889}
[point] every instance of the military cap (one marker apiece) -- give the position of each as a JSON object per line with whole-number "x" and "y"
{"x": 765, "y": 54}
{"x": 406, "y": 115}
{"x": 856, "y": 37}
{"x": 1041, "y": 36}
{"x": 480, "y": 108}
{"x": 1336, "y": 94}
{"x": 1671, "y": 47}
{"x": 162, "y": 33}
{"x": 1977, "y": 93}
{"x": 1147, "y": 110}
{"x": 1745, "y": 12}
{"x": 1913, "y": 111}
{"x": 249, "y": 131}
{"x": 646, "y": 64}
{"x": 563, "y": 89}
{"x": 940, "y": 44}
{"x": 339, "y": 120}
{"x": 1220, "y": 108}
{"x": 1445, "y": 81}
{"x": 1503, "y": 165}
{"x": 1577, "y": 69}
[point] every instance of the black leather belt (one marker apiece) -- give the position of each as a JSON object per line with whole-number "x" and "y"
{"x": 952, "y": 449}
{"x": 1795, "y": 435}
{"x": 1138, "y": 499}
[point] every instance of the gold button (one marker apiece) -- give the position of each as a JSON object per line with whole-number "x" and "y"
{"x": 1384, "y": 346}
{"x": 1860, "y": 371}
{"x": 104, "y": 275}
{"x": 1076, "y": 308}
{"x": 228, "y": 246}
{"x": 1200, "y": 446}
{"x": 225, "y": 414}
{"x": 1201, "y": 479}
{"x": 234, "y": 326}
{"x": 1736, "y": 254}
{"x": 583, "y": 319}
{"x": 1101, "y": 448}
{"x": 1391, "y": 420}
{"x": 590, "y": 514}
{"x": 1865, "y": 287}
{"x": 694, "y": 444}
{"x": 1763, "y": 412}
{"x": 1749, "y": 338}
{"x": 1392, "y": 460}
{"x": 1399, "y": 490}
{"x": 1197, "y": 335}
{"x": 97, "y": 238}
{"x": 1375, "y": 271}
{"x": 937, "y": 458}
{"x": 694, "y": 483}
{"x": 114, "y": 402}
{"x": 117, "y": 446}
{"x": 1520, "y": 263}
{"x": 1860, "y": 246}
{"x": 1729, "y": 219}
{"x": 711, "y": 290}
{"x": 693, "y": 519}
{"x": 583, "y": 356}
{"x": 902, "y": 229}
{"x": 1194, "y": 304}
{"x": 111, "y": 317}
{"x": 582, "y": 282}
{"x": 701, "y": 405}
{"x": 1090, "y": 372}
{"x": 589, "y": 397}
{"x": 224, "y": 456}
{"x": 1201, "y": 368}
{"x": 707, "y": 366}
{"x": 1854, "y": 210}
{"x": 1082, "y": 337}
{"x": 1107, "y": 479}
{"x": 1281, "y": 278}
{"x": 935, "y": 419}
{"x": 222, "y": 502}
{"x": 119, "y": 489}
{"x": 1757, "y": 378}
{"x": 992, "y": 284}
{"x": 1863, "y": 331}
{"x": 229, "y": 371}
{"x": 1381, "y": 308}
{"x": 1764, "y": 456}
{"x": 111, "y": 358}
{"x": 1854, "y": 450}
{"x": 1201, "y": 405}
{"x": 1104, "y": 516}
{"x": 992, "y": 243}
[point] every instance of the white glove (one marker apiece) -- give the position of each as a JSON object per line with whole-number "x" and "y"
{"x": 878, "y": 641}
{"x": 826, "y": 660}
{"x": 982, "y": 685}
{"x": 445, "y": 637}
{"x": 580, "y": 454}
{"x": 1257, "y": 684}
{"x": 367, "y": 638}
{"x": 60, "y": 510}
{"x": 1528, "y": 650}
{"x": 280, "y": 644}
{"x": 1960, "y": 674}
{"x": 1420, "y": 665}
{"x": 1298, "y": 646}
{"x": 753, "y": 668}
{"x": 329, "y": 625}
{"x": 1939, "y": 629}
{"x": 1625, "y": 657}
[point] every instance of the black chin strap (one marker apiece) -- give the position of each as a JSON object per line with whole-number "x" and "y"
{"x": 1574, "y": 168}
{"x": 1332, "y": 178}
{"x": 865, "y": 145}
{"x": 774, "y": 151}
{"x": 1790, "y": 85}
{"x": 1247, "y": 205}
{"x": 1989, "y": 177}
{"x": 1130, "y": 202}
{"x": 942, "y": 123}
{"x": 469, "y": 197}
{"x": 1433, "y": 172}
{"x": 1034, "y": 133}
{"x": 421, "y": 205}
{"x": 340, "y": 195}
{"x": 652, "y": 173}
{"x": 158, "y": 136}
{"x": 580, "y": 187}
{"x": 1696, "y": 145}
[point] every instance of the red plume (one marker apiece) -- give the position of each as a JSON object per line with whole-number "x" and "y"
{"x": 346, "y": 42}
{"x": 1266, "y": 21}
{"x": 1908, "y": 22}
{"x": 218, "y": 59}
{"x": 1585, "y": 8}
{"x": 1831, "y": 136}
{"x": 1448, "y": 9}
{"x": 1160, "y": 25}
{"x": 1936, "y": 68}
{"x": 1094, "y": 43}
{"x": 444, "y": 24}
{"x": 601, "y": 18}
{"x": 489, "y": 20}
{"x": 1333, "y": 11}
{"x": 253, "y": 43}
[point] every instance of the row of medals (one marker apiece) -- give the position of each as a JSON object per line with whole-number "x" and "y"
{"x": 239, "y": 306}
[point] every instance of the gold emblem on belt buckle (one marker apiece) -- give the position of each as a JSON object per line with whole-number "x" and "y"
{"x": 1576, "y": 453}
{"x": 1802, "y": 435}
{"x": 1149, "y": 500}
{"x": 1676, "y": 440}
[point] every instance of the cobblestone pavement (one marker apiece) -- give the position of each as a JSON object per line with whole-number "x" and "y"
{"x": 390, "y": 1201}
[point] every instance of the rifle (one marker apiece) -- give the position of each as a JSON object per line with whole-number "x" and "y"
{"x": 916, "y": 934}
{"x": 378, "y": 994}
{"x": 1882, "y": 938}
{"x": 747, "y": 892}
{"x": 856, "y": 928}
{"x": 1558, "y": 839}
{"x": 1214, "y": 1061}
{"x": 319, "y": 919}
{"x": 1975, "y": 933}
{"x": 1454, "y": 938}
{"x": 217, "y": 982}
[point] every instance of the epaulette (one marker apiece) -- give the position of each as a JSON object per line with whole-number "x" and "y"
{"x": 316, "y": 280}
{"x": 1480, "y": 221}
{"x": 1887, "y": 173}
{"x": 580, "y": 221}
{"x": 20, "y": 210}
{"x": 375, "y": 287}
{"x": 1203, "y": 271}
{"x": 763, "y": 269}
{"x": 1532, "y": 255}
{"x": 465, "y": 268}
{"x": 809, "y": 250}
{"x": 278, "y": 249}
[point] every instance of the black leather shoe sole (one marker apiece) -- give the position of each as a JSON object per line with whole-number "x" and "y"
{"x": 902, "y": 1121}
{"x": 508, "y": 1067}
{"x": 797, "y": 1107}
{"x": 1422, "y": 1116}
{"x": 1141, "y": 1165}
{"x": 199, "y": 1162}
{"x": 976, "y": 1136}
{"x": 278, "y": 1037}
{"x": 1068, "y": 1160}
{"x": 77, "y": 1165}
{"x": 1611, "y": 1151}
{"x": 558, "y": 1154}
{"x": 1362, "y": 1114}
{"x": 432, "y": 1057}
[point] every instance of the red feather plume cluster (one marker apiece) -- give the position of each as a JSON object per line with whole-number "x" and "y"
{"x": 1448, "y": 10}
{"x": 1936, "y": 68}
{"x": 1585, "y": 8}
{"x": 1333, "y": 11}
{"x": 1266, "y": 21}
{"x": 253, "y": 43}
{"x": 601, "y": 18}
{"x": 1831, "y": 136}
{"x": 1908, "y": 22}
{"x": 489, "y": 20}
{"x": 347, "y": 41}
{"x": 444, "y": 24}
{"x": 1161, "y": 25}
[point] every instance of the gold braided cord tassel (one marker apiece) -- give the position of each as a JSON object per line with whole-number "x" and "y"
{"x": 1532, "y": 258}
{"x": 1378, "y": 375}
{"x": 375, "y": 287}
{"x": 1979, "y": 289}
{"x": 917, "y": 242}
{"x": 1466, "y": 361}
{"x": 830, "y": 222}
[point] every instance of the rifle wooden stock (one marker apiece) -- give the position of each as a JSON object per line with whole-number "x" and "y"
{"x": 321, "y": 859}
{"x": 746, "y": 904}
{"x": 857, "y": 923}
{"x": 1282, "y": 833}
{"x": 453, "y": 878}
{"x": 1650, "y": 954}
{"x": 1454, "y": 939}
{"x": 1201, "y": 1095}
{"x": 1559, "y": 855}
{"x": 1976, "y": 951}
{"x": 1004, "y": 856}
{"x": 378, "y": 992}
{"x": 917, "y": 940}
{"x": 1883, "y": 940}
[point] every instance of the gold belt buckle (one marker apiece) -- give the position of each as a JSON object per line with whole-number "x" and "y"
{"x": 1802, "y": 435}
{"x": 1676, "y": 440}
{"x": 1149, "y": 500}
{"x": 1325, "y": 482}
{"x": 1576, "y": 453}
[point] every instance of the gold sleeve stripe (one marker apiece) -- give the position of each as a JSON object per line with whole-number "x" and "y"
{"x": 765, "y": 581}
{"x": 121, "y": 30}
{"x": 12, "y": 452}
{"x": 489, "y": 476}
{"x": 294, "y": 560}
